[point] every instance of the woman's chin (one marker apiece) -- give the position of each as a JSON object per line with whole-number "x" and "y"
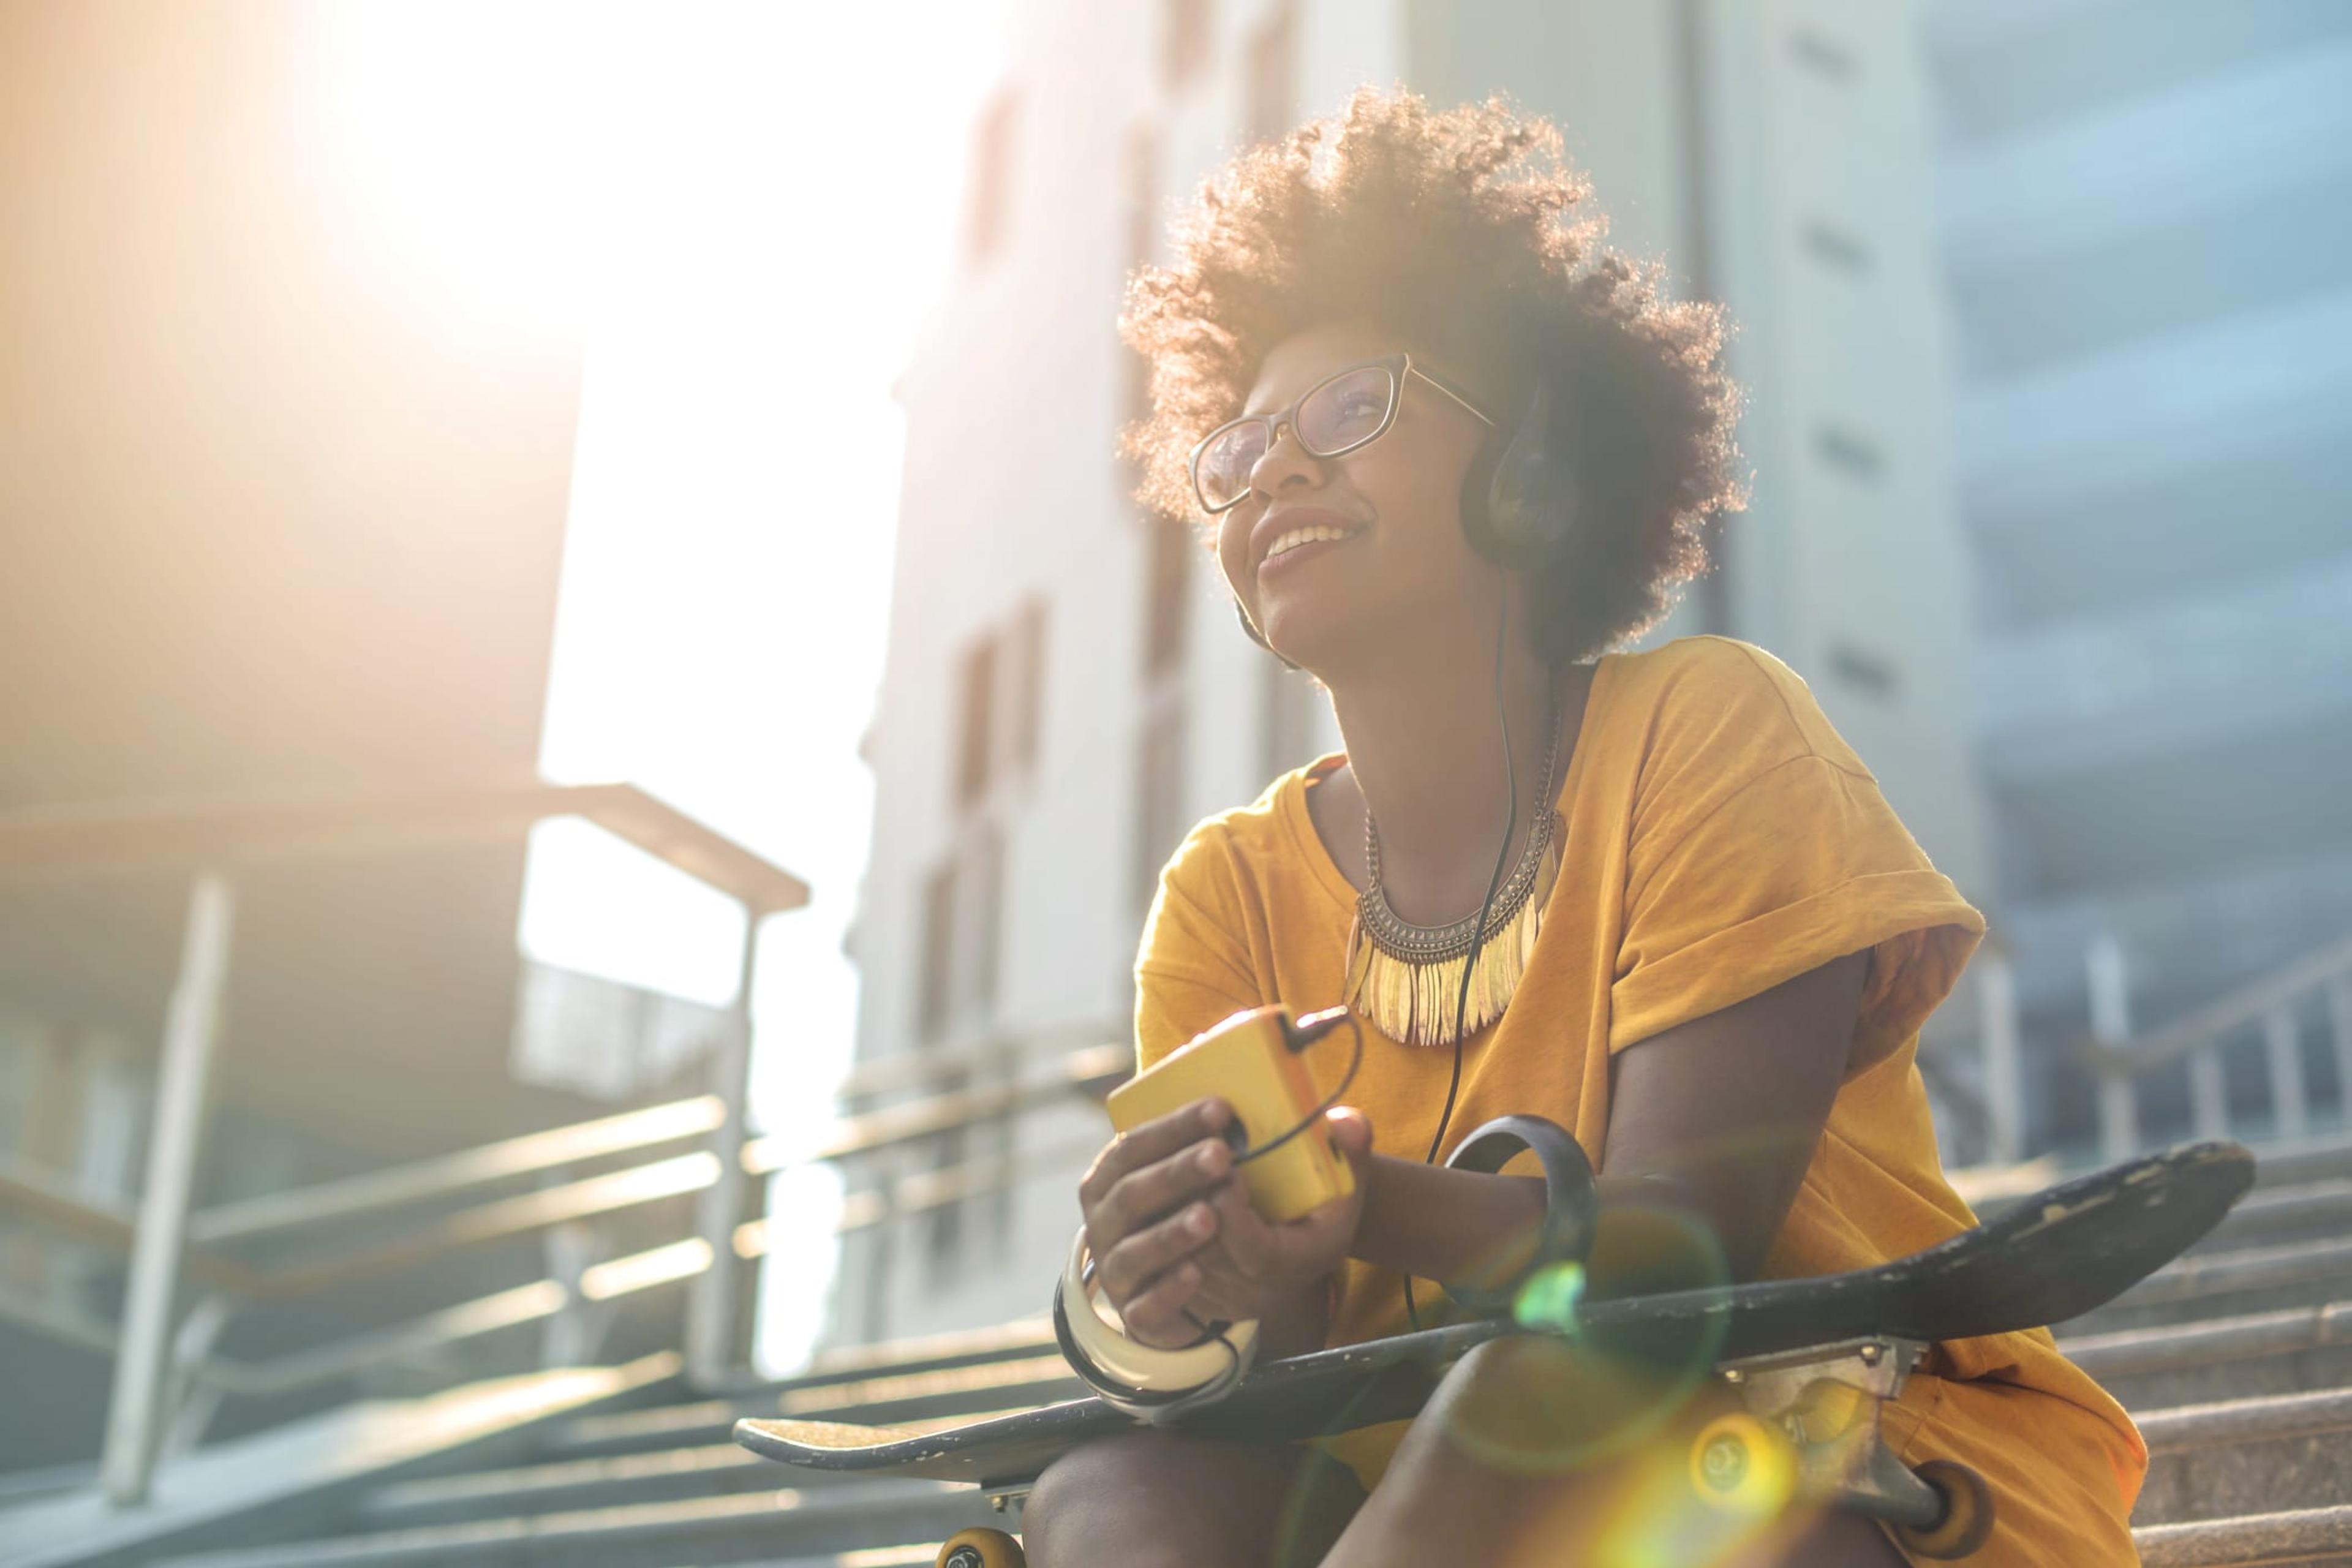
{"x": 1311, "y": 636}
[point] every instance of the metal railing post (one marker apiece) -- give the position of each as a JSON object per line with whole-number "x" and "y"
{"x": 191, "y": 1027}
{"x": 2003, "y": 1072}
{"x": 710, "y": 1312}
{"x": 2110, "y": 988}
{"x": 2284, "y": 1043}
{"x": 2208, "y": 1092}
{"x": 2340, "y": 1023}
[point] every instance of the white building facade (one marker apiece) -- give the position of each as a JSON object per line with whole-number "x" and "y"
{"x": 1065, "y": 690}
{"x": 2146, "y": 225}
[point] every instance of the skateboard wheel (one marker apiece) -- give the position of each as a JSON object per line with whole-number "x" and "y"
{"x": 981, "y": 1547}
{"x": 1967, "y": 1513}
{"x": 1739, "y": 1465}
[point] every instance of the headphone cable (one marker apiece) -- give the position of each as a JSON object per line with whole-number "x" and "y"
{"x": 1478, "y": 932}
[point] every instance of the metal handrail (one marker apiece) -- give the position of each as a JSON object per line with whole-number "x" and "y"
{"x": 31, "y": 1194}
{"x": 1080, "y": 1071}
{"x": 447, "y": 1176}
{"x": 2248, "y": 1005}
{"x": 34, "y": 1194}
{"x": 61, "y": 841}
{"x": 2203, "y": 1040}
{"x": 931, "y": 1067}
{"x": 671, "y": 1263}
{"x": 200, "y": 1377}
{"x": 167, "y": 1243}
{"x": 502, "y": 1219}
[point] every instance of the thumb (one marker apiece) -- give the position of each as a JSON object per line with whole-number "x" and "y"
{"x": 1351, "y": 1131}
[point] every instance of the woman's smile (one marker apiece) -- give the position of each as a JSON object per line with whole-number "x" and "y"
{"x": 1302, "y": 545}
{"x": 1287, "y": 536}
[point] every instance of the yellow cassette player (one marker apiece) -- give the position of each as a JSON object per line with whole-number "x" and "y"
{"x": 1255, "y": 1061}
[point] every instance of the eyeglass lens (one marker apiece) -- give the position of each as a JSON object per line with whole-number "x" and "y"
{"x": 1343, "y": 412}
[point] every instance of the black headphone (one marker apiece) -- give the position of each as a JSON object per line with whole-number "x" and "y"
{"x": 1520, "y": 500}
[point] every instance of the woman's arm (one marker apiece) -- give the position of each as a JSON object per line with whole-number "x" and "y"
{"x": 1728, "y": 1108}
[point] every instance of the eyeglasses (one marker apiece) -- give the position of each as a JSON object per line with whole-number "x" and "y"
{"x": 1338, "y": 413}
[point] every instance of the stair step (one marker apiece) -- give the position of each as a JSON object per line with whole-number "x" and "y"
{"x": 917, "y": 1396}
{"x": 303, "y": 1473}
{"x": 1016, "y": 1341}
{"x": 700, "y": 1424}
{"x": 2295, "y": 1273}
{"x": 1000, "y": 1341}
{"x": 2317, "y": 1537}
{"x": 659, "y": 1475}
{"x": 2313, "y": 1210}
{"x": 2310, "y": 1159}
{"x": 2283, "y": 1352}
{"x": 2239, "y": 1456}
{"x": 894, "y": 1397}
{"x": 750, "y": 1528}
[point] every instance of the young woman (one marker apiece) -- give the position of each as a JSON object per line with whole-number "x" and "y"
{"x": 1708, "y": 943}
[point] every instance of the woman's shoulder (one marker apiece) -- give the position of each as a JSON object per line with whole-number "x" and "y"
{"x": 1720, "y": 696}
{"x": 1232, "y": 843}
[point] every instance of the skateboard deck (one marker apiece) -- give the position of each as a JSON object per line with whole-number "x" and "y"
{"x": 2054, "y": 1255}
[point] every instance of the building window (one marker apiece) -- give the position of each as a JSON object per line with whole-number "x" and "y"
{"x": 1825, "y": 56}
{"x": 1000, "y": 718}
{"x": 999, "y": 707}
{"x": 1274, "y": 73}
{"x": 989, "y": 217}
{"x": 1159, "y": 791}
{"x": 1168, "y": 552}
{"x": 976, "y": 749}
{"x": 980, "y": 926}
{"x": 937, "y": 952}
{"x": 1140, "y": 177}
{"x": 1864, "y": 671}
{"x": 951, "y": 1157}
{"x": 1026, "y": 679}
{"x": 1837, "y": 247}
{"x": 1854, "y": 452}
{"x": 964, "y": 942}
{"x": 1184, "y": 40}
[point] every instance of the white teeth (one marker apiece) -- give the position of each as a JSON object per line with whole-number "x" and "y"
{"x": 1298, "y": 536}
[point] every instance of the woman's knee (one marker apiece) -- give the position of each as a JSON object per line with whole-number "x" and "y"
{"x": 1158, "y": 1500}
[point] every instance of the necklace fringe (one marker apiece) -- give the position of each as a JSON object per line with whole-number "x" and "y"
{"x": 1414, "y": 1003}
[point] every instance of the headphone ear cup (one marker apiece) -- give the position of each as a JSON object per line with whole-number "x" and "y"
{"x": 1529, "y": 504}
{"x": 1478, "y": 514}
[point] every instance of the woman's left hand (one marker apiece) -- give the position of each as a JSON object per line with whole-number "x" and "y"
{"x": 1251, "y": 1267}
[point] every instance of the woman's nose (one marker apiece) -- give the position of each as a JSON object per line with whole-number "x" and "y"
{"x": 1281, "y": 459}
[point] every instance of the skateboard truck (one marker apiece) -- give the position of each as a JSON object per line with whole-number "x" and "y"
{"x": 1811, "y": 1430}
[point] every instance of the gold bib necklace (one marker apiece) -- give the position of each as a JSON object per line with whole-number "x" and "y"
{"x": 1407, "y": 979}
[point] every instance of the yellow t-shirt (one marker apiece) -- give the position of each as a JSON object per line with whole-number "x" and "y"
{"x": 1720, "y": 838}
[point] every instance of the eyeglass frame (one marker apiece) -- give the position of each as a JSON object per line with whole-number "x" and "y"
{"x": 1399, "y": 366}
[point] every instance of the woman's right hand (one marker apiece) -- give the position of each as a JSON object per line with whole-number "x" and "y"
{"x": 1148, "y": 1206}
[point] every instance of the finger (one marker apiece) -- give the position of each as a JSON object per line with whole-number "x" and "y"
{"x": 1150, "y": 1142}
{"x": 1351, "y": 1130}
{"x": 1243, "y": 1235}
{"x": 1157, "y": 1315}
{"x": 1130, "y": 1265}
{"x": 1142, "y": 1197}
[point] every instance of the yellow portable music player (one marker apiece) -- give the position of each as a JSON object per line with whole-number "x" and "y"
{"x": 1254, "y": 1062}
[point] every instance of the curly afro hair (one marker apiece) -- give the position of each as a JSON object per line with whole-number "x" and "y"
{"x": 1464, "y": 231}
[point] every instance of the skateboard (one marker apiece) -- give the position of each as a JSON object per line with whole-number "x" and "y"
{"x": 1811, "y": 1360}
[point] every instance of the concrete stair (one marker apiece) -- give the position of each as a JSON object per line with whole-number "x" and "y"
{"x": 2236, "y": 1360}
